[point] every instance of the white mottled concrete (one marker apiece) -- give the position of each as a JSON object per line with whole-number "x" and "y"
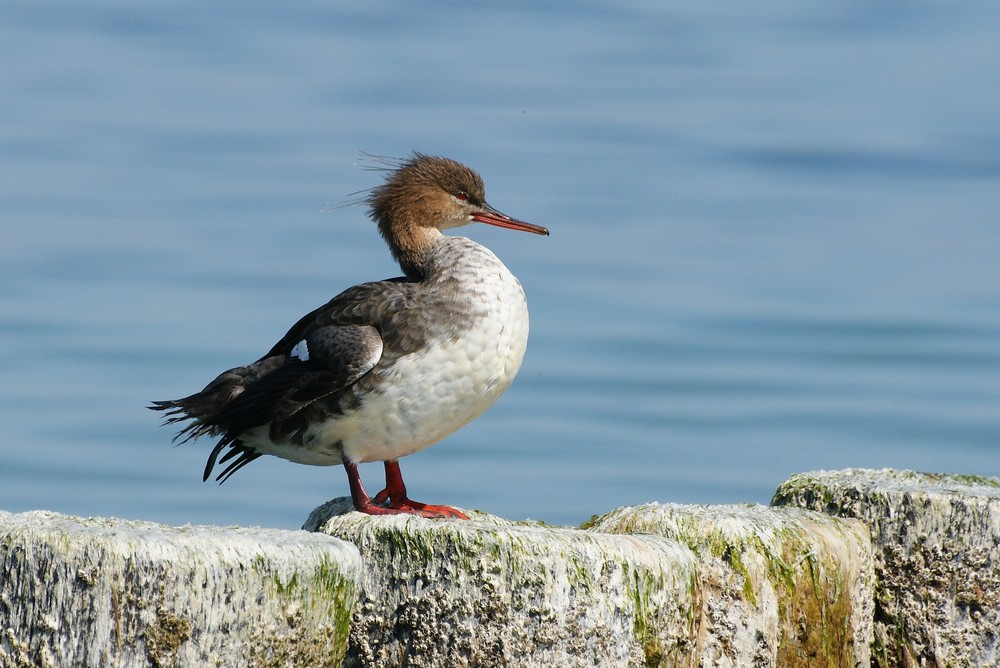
{"x": 780, "y": 586}
{"x": 937, "y": 559}
{"x": 489, "y": 592}
{"x": 109, "y": 592}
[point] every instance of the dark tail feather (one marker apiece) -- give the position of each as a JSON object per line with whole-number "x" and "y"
{"x": 212, "y": 412}
{"x": 237, "y": 449}
{"x": 179, "y": 411}
{"x": 202, "y": 410}
{"x": 210, "y": 464}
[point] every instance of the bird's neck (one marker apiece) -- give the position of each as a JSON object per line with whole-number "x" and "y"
{"x": 413, "y": 248}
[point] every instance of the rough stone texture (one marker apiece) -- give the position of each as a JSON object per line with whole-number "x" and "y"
{"x": 489, "y": 592}
{"x": 108, "y": 592}
{"x": 780, "y": 587}
{"x": 937, "y": 547}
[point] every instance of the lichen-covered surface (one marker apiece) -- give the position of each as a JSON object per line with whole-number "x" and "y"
{"x": 780, "y": 587}
{"x": 937, "y": 546}
{"x": 488, "y": 592}
{"x": 108, "y": 592}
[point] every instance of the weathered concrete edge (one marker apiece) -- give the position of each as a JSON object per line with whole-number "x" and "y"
{"x": 493, "y": 592}
{"x": 781, "y": 586}
{"x": 936, "y": 540}
{"x": 753, "y": 578}
{"x": 906, "y": 483}
{"x": 104, "y": 591}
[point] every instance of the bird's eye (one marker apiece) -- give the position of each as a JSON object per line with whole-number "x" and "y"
{"x": 461, "y": 196}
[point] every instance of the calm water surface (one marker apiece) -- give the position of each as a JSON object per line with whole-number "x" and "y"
{"x": 775, "y": 238}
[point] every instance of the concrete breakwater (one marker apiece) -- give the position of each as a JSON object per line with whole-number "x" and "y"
{"x": 845, "y": 568}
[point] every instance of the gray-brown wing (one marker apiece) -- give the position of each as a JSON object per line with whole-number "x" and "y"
{"x": 326, "y": 360}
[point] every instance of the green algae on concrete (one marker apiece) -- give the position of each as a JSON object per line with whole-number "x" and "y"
{"x": 780, "y": 587}
{"x": 936, "y": 540}
{"x": 489, "y": 592}
{"x": 103, "y": 592}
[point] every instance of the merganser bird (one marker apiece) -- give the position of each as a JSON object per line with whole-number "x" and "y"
{"x": 387, "y": 368}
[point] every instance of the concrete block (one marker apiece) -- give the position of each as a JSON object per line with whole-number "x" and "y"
{"x": 937, "y": 558}
{"x": 108, "y": 592}
{"x": 489, "y": 592}
{"x": 780, "y": 587}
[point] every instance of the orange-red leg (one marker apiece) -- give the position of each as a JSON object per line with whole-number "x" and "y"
{"x": 395, "y": 494}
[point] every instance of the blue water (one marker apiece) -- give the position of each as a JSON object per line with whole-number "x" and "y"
{"x": 775, "y": 238}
